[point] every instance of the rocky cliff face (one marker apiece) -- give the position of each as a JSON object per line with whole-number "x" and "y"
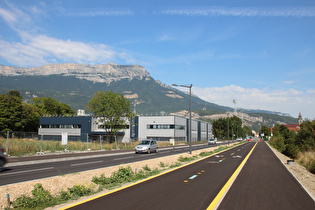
{"x": 103, "y": 73}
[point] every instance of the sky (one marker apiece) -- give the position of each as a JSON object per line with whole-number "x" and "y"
{"x": 259, "y": 53}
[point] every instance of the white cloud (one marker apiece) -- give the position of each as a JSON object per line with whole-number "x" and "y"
{"x": 286, "y": 101}
{"x": 36, "y": 49}
{"x": 40, "y": 50}
{"x": 244, "y": 11}
{"x": 99, "y": 12}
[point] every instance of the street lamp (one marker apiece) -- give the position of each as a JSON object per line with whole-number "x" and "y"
{"x": 228, "y": 115}
{"x": 188, "y": 86}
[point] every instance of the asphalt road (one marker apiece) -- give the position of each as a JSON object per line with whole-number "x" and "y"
{"x": 190, "y": 187}
{"x": 265, "y": 183}
{"x": 36, "y": 167}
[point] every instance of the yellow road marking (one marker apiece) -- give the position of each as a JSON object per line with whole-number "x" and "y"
{"x": 144, "y": 180}
{"x": 227, "y": 185}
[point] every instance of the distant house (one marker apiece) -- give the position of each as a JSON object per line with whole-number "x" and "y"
{"x": 293, "y": 127}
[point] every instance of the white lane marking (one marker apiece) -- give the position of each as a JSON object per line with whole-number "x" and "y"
{"x": 192, "y": 177}
{"x": 124, "y": 158}
{"x": 78, "y": 164}
{"x": 20, "y": 172}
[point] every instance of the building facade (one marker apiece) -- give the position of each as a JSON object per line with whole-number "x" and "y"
{"x": 160, "y": 128}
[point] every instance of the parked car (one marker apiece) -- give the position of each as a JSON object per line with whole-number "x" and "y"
{"x": 146, "y": 146}
{"x": 212, "y": 141}
{"x": 239, "y": 139}
{"x": 3, "y": 159}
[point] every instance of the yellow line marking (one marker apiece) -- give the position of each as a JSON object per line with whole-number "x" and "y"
{"x": 228, "y": 184}
{"x": 202, "y": 171}
{"x": 185, "y": 181}
{"x": 144, "y": 180}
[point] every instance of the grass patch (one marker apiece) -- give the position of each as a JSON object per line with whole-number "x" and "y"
{"x": 186, "y": 159}
{"x": 307, "y": 159}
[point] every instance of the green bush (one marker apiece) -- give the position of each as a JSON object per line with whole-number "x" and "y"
{"x": 41, "y": 198}
{"x": 311, "y": 167}
{"x": 291, "y": 151}
{"x": 186, "y": 159}
{"x": 75, "y": 192}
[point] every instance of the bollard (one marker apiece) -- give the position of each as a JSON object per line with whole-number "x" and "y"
{"x": 8, "y": 201}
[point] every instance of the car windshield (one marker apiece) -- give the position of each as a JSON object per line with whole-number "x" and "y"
{"x": 211, "y": 140}
{"x": 145, "y": 142}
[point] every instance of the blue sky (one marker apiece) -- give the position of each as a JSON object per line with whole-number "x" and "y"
{"x": 260, "y": 53}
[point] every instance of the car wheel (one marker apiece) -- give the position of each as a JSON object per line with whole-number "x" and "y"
{"x": 149, "y": 151}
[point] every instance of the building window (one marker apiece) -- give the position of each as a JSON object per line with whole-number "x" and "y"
{"x": 180, "y": 127}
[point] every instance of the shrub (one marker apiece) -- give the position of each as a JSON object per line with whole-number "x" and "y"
{"x": 162, "y": 165}
{"x": 146, "y": 168}
{"x": 41, "y": 199}
{"x": 75, "y": 192}
{"x": 291, "y": 151}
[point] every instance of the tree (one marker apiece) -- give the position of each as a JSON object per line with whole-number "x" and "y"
{"x": 113, "y": 110}
{"x": 265, "y": 130}
{"x": 52, "y": 106}
{"x": 220, "y": 127}
{"x": 11, "y": 112}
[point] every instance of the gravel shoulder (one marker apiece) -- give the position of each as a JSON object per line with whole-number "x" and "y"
{"x": 56, "y": 184}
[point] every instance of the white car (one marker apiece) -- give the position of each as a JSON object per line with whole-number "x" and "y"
{"x": 146, "y": 146}
{"x": 212, "y": 141}
{"x": 3, "y": 159}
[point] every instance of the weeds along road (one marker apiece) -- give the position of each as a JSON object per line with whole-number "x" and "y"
{"x": 190, "y": 187}
{"x": 37, "y": 167}
{"x": 262, "y": 183}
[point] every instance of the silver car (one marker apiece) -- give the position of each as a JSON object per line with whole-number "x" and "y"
{"x": 3, "y": 159}
{"x": 212, "y": 141}
{"x": 146, "y": 146}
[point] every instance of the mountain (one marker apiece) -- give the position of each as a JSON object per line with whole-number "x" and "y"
{"x": 75, "y": 84}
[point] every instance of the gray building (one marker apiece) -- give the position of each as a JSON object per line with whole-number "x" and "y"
{"x": 161, "y": 128}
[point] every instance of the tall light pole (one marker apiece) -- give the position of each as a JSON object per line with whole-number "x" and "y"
{"x": 188, "y": 86}
{"x": 228, "y": 115}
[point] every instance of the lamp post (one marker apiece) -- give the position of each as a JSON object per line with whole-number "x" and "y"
{"x": 188, "y": 86}
{"x": 228, "y": 115}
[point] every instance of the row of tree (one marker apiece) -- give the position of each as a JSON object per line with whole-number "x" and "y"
{"x": 16, "y": 115}
{"x": 292, "y": 143}
{"x": 230, "y": 127}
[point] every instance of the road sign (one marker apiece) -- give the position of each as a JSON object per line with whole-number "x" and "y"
{"x": 64, "y": 138}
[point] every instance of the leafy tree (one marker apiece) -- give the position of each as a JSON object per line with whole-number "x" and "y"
{"x": 265, "y": 130}
{"x": 220, "y": 127}
{"x": 51, "y": 106}
{"x": 112, "y": 108}
{"x": 305, "y": 138}
{"x": 10, "y": 112}
{"x": 30, "y": 117}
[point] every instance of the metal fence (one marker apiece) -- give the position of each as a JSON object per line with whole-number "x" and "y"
{"x": 21, "y": 143}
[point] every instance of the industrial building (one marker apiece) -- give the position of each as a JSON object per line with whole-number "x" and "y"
{"x": 160, "y": 128}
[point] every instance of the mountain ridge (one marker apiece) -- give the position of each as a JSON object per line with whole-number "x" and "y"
{"x": 75, "y": 84}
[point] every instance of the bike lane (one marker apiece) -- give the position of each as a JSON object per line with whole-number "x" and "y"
{"x": 265, "y": 183}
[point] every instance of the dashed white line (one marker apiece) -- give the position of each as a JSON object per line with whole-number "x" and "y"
{"x": 123, "y": 158}
{"x": 20, "y": 172}
{"x": 78, "y": 164}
